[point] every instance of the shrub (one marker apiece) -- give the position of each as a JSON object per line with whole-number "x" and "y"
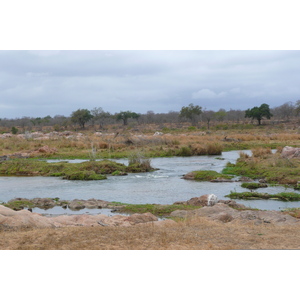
{"x": 14, "y": 130}
{"x": 261, "y": 152}
{"x": 185, "y": 151}
{"x": 253, "y": 185}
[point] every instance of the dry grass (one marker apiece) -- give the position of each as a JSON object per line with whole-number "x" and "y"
{"x": 261, "y": 152}
{"x": 117, "y": 142}
{"x": 192, "y": 234}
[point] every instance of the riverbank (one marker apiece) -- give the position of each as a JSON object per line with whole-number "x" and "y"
{"x": 192, "y": 233}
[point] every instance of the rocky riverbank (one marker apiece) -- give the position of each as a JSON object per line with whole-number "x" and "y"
{"x": 221, "y": 211}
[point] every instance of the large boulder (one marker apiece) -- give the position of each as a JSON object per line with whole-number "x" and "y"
{"x": 23, "y": 218}
{"x": 290, "y": 152}
{"x": 142, "y": 218}
{"x": 76, "y": 204}
{"x": 223, "y": 213}
{"x": 204, "y": 200}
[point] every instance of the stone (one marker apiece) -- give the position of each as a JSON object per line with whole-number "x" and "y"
{"x": 142, "y": 218}
{"x": 223, "y": 213}
{"x": 23, "y": 218}
{"x": 290, "y": 152}
{"x": 76, "y": 204}
{"x": 44, "y": 202}
{"x": 245, "y": 179}
{"x": 233, "y": 204}
{"x": 204, "y": 200}
{"x": 220, "y": 179}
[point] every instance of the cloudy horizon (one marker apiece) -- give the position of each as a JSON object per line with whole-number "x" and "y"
{"x": 40, "y": 83}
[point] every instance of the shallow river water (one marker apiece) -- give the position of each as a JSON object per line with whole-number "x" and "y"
{"x": 164, "y": 186}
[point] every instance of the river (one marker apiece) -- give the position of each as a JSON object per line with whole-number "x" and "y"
{"x": 164, "y": 186}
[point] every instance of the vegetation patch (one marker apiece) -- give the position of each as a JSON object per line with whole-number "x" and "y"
{"x": 89, "y": 170}
{"x": 254, "y": 196}
{"x": 155, "y": 209}
{"x": 206, "y": 176}
{"x": 253, "y": 185}
{"x": 273, "y": 168}
{"x": 19, "y": 204}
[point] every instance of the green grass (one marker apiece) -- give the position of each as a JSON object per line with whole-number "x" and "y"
{"x": 89, "y": 170}
{"x": 155, "y": 209}
{"x": 254, "y": 196}
{"x": 274, "y": 169}
{"x": 253, "y": 185}
{"x": 208, "y": 175}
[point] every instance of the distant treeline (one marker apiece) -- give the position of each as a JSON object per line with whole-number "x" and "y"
{"x": 99, "y": 118}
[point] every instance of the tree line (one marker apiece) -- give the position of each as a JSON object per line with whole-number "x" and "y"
{"x": 191, "y": 113}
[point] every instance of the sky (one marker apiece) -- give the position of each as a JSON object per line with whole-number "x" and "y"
{"x": 50, "y": 82}
{"x": 127, "y": 55}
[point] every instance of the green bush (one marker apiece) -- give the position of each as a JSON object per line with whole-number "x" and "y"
{"x": 253, "y": 185}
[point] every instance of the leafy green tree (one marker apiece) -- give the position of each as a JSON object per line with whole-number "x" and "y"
{"x": 191, "y": 112}
{"x": 125, "y": 115}
{"x": 14, "y": 130}
{"x": 81, "y": 116}
{"x": 220, "y": 115}
{"x": 259, "y": 113}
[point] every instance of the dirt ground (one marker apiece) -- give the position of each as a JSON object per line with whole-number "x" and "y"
{"x": 191, "y": 234}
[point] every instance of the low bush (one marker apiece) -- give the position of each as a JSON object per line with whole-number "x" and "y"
{"x": 253, "y": 185}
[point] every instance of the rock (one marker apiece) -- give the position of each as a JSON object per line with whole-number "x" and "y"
{"x": 76, "y": 204}
{"x": 44, "y": 202}
{"x": 232, "y": 203}
{"x": 204, "y": 200}
{"x": 157, "y": 133}
{"x": 290, "y": 152}
{"x": 4, "y": 157}
{"x": 219, "y": 179}
{"x": 23, "y": 218}
{"x": 189, "y": 176}
{"x": 179, "y": 203}
{"x": 245, "y": 179}
{"x": 223, "y": 213}
{"x": 179, "y": 214}
{"x": 142, "y": 218}
{"x": 94, "y": 203}
{"x": 262, "y": 180}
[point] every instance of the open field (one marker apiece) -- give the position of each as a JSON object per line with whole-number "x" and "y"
{"x": 192, "y": 234}
{"x": 151, "y": 141}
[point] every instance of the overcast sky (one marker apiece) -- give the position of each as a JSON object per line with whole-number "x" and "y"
{"x": 40, "y": 83}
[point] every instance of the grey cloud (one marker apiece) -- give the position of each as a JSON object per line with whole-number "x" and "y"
{"x": 58, "y": 82}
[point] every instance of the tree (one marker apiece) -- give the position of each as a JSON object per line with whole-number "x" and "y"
{"x": 99, "y": 115}
{"x": 81, "y": 116}
{"x": 125, "y": 115}
{"x": 259, "y": 113}
{"x": 208, "y": 115}
{"x": 284, "y": 111}
{"x": 297, "y": 107}
{"x": 191, "y": 112}
{"x": 220, "y": 114}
